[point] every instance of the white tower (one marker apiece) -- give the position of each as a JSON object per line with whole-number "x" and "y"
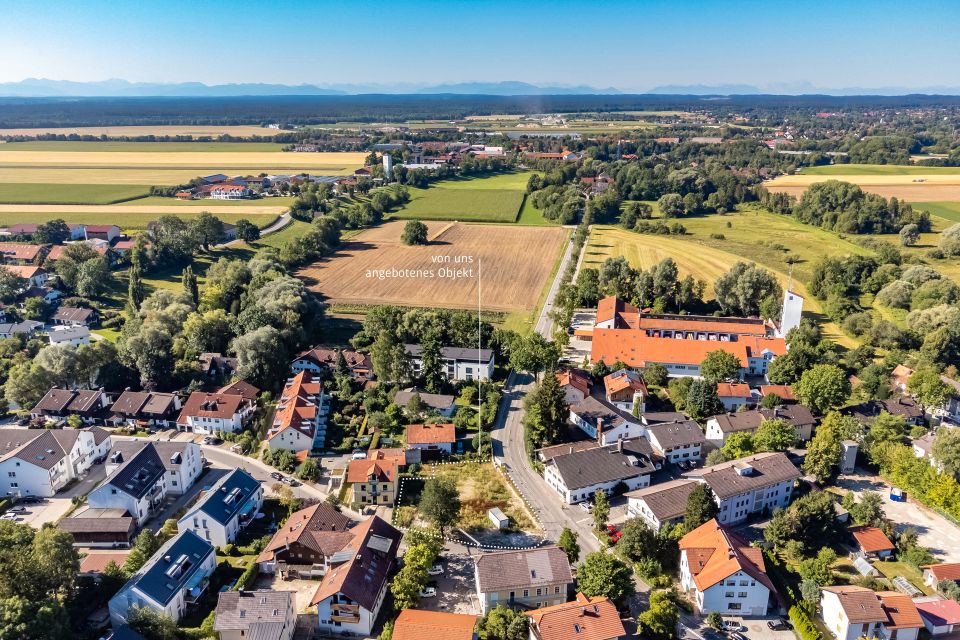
{"x": 387, "y": 166}
{"x": 792, "y": 311}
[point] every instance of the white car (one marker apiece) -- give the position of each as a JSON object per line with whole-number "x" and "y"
{"x": 359, "y": 455}
{"x": 732, "y": 625}
{"x": 587, "y": 506}
{"x": 429, "y": 592}
{"x": 10, "y": 516}
{"x": 436, "y": 570}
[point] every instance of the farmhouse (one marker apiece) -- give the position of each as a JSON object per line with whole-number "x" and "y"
{"x": 228, "y": 192}
{"x": 351, "y": 593}
{"x": 231, "y": 504}
{"x": 263, "y": 615}
{"x": 586, "y": 618}
{"x": 575, "y": 384}
{"x": 321, "y": 360}
{"x": 306, "y": 543}
{"x": 578, "y": 476}
{"x": 458, "y": 363}
{"x": 661, "y": 505}
{"x": 105, "y": 232}
{"x": 723, "y": 573}
{"x": 761, "y": 482}
{"x": 603, "y": 423}
{"x": 720, "y": 427}
{"x": 300, "y": 419}
{"x": 172, "y": 579}
{"x": 676, "y": 441}
{"x": 852, "y": 612}
{"x": 531, "y": 578}
{"x": 35, "y": 276}
{"x": 210, "y": 412}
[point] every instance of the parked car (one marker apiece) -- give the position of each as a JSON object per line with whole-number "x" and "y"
{"x": 212, "y": 440}
{"x": 436, "y": 570}
{"x": 736, "y": 635}
{"x": 710, "y": 634}
{"x": 16, "y": 509}
{"x": 10, "y": 516}
{"x": 359, "y": 454}
{"x": 276, "y": 475}
{"x": 32, "y": 500}
{"x": 587, "y": 506}
{"x": 429, "y": 592}
{"x": 731, "y": 625}
{"x": 779, "y": 624}
{"x": 290, "y": 481}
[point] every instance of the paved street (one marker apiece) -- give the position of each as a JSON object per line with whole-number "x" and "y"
{"x": 544, "y": 322}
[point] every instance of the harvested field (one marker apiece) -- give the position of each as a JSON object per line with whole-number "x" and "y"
{"x": 890, "y": 181}
{"x": 154, "y": 147}
{"x": 241, "y": 131}
{"x": 376, "y": 268}
{"x": 138, "y": 176}
{"x": 176, "y": 159}
{"x": 128, "y": 217}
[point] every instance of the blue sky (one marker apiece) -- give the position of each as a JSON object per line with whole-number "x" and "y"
{"x": 629, "y": 45}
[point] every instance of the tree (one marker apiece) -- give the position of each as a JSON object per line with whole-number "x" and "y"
{"x": 671, "y": 205}
{"x": 868, "y": 510}
{"x": 150, "y": 351}
{"x": 207, "y": 229}
{"x": 414, "y": 232}
{"x": 637, "y": 540}
{"x": 10, "y": 285}
{"x": 818, "y": 569}
{"x": 93, "y": 278}
{"x": 701, "y": 507}
{"x": 655, "y": 374}
{"x": 745, "y": 288}
{"x": 928, "y": 387}
{"x": 503, "y": 623}
{"x": 568, "y": 542}
{"x": 533, "y": 353}
{"x": 601, "y": 511}
{"x": 389, "y": 357}
{"x": 431, "y": 362}
{"x": 247, "y": 231}
{"x": 440, "y": 502}
{"x": 135, "y": 289}
{"x": 546, "y": 412}
{"x": 309, "y": 470}
{"x": 702, "y": 400}
{"x": 35, "y": 308}
{"x": 720, "y": 365}
{"x": 771, "y": 401}
{"x": 823, "y": 387}
{"x": 715, "y": 621}
{"x": 602, "y": 574}
{"x": 678, "y": 389}
{"x": 173, "y": 240}
{"x": 909, "y": 235}
{"x": 811, "y": 522}
{"x": 825, "y": 448}
{"x": 52, "y": 232}
{"x": 774, "y": 434}
{"x": 189, "y": 281}
{"x": 946, "y": 450}
{"x": 660, "y": 620}
{"x": 739, "y": 445}
{"x": 152, "y": 625}
{"x": 262, "y": 356}
{"x": 144, "y": 546}
{"x": 205, "y": 332}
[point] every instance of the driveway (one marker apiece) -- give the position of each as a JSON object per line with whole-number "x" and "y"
{"x": 456, "y": 592}
{"x": 55, "y": 508}
{"x": 934, "y": 531}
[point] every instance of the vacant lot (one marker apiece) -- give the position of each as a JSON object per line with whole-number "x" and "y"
{"x": 376, "y": 268}
{"x": 910, "y": 183}
{"x": 493, "y": 199}
{"x": 481, "y": 488}
{"x": 22, "y": 193}
{"x": 241, "y": 131}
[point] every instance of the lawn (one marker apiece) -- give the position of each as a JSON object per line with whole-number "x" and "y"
{"x": 530, "y": 215}
{"x": 893, "y": 568}
{"x": 127, "y": 221}
{"x": 25, "y": 193}
{"x": 876, "y": 170}
{"x": 495, "y": 198}
{"x": 947, "y": 210}
{"x": 275, "y": 201}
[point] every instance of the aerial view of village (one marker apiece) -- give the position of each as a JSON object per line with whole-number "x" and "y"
{"x": 386, "y": 322}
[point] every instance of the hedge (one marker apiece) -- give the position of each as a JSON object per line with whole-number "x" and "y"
{"x": 803, "y": 624}
{"x": 249, "y": 576}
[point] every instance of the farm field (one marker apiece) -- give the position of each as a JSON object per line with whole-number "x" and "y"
{"x": 154, "y": 147}
{"x": 910, "y": 183}
{"x": 949, "y": 211}
{"x": 240, "y": 131}
{"x": 25, "y": 193}
{"x": 177, "y": 159}
{"x": 877, "y": 170}
{"x": 493, "y": 199}
{"x": 127, "y": 217}
{"x": 513, "y": 275}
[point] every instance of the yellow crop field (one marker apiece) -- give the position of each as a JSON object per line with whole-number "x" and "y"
{"x": 239, "y": 131}
{"x": 154, "y": 176}
{"x": 177, "y": 159}
{"x": 120, "y": 209}
{"x": 913, "y": 187}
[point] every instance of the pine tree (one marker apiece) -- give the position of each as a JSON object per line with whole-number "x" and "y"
{"x": 189, "y": 281}
{"x": 135, "y": 291}
{"x": 432, "y": 363}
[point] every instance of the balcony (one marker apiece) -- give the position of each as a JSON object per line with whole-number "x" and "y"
{"x": 348, "y": 613}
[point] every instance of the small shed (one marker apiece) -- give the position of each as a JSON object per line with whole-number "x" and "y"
{"x": 498, "y": 518}
{"x": 848, "y": 460}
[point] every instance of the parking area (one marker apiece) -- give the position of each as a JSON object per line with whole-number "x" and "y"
{"x": 695, "y": 628}
{"x": 934, "y": 531}
{"x": 52, "y": 509}
{"x": 456, "y": 589}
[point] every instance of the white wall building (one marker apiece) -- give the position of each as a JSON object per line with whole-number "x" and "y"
{"x": 758, "y": 483}
{"x": 458, "y": 363}
{"x": 231, "y": 504}
{"x": 604, "y": 424}
{"x": 37, "y": 462}
{"x": 578, "y": 476}
{"x": 852, "y": 612}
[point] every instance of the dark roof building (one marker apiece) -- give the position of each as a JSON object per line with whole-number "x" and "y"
{"x": 510, "y": 570}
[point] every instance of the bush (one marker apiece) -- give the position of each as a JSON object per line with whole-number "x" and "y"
{"x": 229, "y": 549}
{"x": 249, "y": 576}
{"x": 803, "y": 625}
{"x": 718, "y": 236}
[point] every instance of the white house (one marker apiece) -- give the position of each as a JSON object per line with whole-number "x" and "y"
{"x": 626, "y": 390}
{"x": 528, "y": 578}
{"x": 723, "y": 573}
{"x": 211, "y": 412}
{"x": 263, "y": 615}
{"x": 458, "y": 363}
{"x": 171, "y": 580}
{"x": 300, "y": 420}
{"x": 73, "y": 336}
{"x": 578, "y": 476}
{"x": 852, "y": 612}
{"x": 661, "y": 505}
{"x": 941, "y": 616}
{"x": 604, "y": 424}
{"x": 40, "y": 462}
{"x": 719, "y": 427}
{"x": 757, "y": 483}
{"x": 933, "y": 574}
{"x": 351, "y": 593}
{"x": 436, "y": 437}
{"x": 575, "y": 384}
{"x": 679, "y": 441}
{"x": 734, "y": 395}
{"x": 231, "y": 504}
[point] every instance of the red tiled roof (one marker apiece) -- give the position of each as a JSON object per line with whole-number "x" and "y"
{"x": 940, "y": 612}
{"x": 585, "y": 618}
{"x": 575, "y": 378}
{"x": 945, "y": 570}
{"x": 18, "y": 251}
{"x": 210, "y": 405}
{"x": 97, "y": 561}
{"x": 240, "y": 388}
{"x": 624, "y": 379}
{"x": 872, "y": 539}
{"x": 431, "y": 434}
{"x": 733, "y": 390}
{"x": 784, "y": 391}
{"x": 636, "y": 349}
{"x": 714, "y": 553}
{"x": 25, "y": 272}
{"x": 417, "y": 624}
{"x": 362, "y": 470}
{"x": 296, "y": 408}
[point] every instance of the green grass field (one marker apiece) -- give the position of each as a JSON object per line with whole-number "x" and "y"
{"x": 128, "y": 222}
{"x": 876, "y": 170}
{"x": 23, "y": 193}
{"x": 279, "y": 201}
{"x": 493, "y": 199}
{"x": 947, "y": 210}
{"x": 214, "y": 147}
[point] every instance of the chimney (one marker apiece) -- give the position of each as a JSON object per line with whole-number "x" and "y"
{"x": 600, "y": 431}
{"x": 570, "y": 449}
{"x": 620, "y": 445}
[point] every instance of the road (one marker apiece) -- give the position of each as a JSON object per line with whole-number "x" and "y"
{"x": 508, "y": 447}
{"x": 544, "y": 322}
{"x": 275, "y": 226}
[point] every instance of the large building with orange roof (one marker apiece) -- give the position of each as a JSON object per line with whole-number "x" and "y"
{"x": 299, "y": 423}
{"x": 723, "y": 573}
{"x": 418, "y": 624}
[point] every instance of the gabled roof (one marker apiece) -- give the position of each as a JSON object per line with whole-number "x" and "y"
{"x": 431, "y": 434}
{"x": 740, "y": 476}
{"x": 319, "y": 527}
{"x": 257, "y": 612}
{"x": 714, "y": 553}
{"x": 454, "y": 353}
{"x": 733, "y": 390}
{"x": 891, "y": 609}
{"x": 608, "y": 463}
{"x": 138, "y": 473}
{"x": 240, "y": 388}
{"x": 168, "y": 571}
{"x": 575, "y": 378}
{"x": 938, "y": 611}
{"x": 324, "y": 357}
{"x": 147, "y": 403}
{"x": 379, "y": 470}
{"x": 585, "y": 618}
{"x": 944, "y": 570}
{"x": 592, "y": 410}
{"x": 418, "y": 624}
{"x": 39, "y": 448}
{"x": 97, "y": 561}
{"x": 210, "y": 405}
{"x": 77, "y": 315}
{"x": 784, "y": 391}
{"x": 622, "y": 380}
{"x": 872, "y": 539}
{"x": 436, "y": 401}
{"x": 76, "y": 400}
{"x": 16, "y": 251}
{"x": 677, "y": 434}
{"x": 796, "y": 414}
{"x": 637, "y": 349}
{"x": 227, "y": 497}
{"x": 667, "y": 500}
{"x": 503, "y": 570}
{"x": 296, "y": 407}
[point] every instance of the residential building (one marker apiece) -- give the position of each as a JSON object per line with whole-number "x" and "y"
{"x": 584, "y": 618}
{"x": 720, "y": 427}
{"x": 625, "y": 390}
{"x": 145, "y": 410}
{"x": 17, "y": 253}
{"x": 458, "y": 363}
{"x": 758, "y": 483}
{"x": 171, "y": 580}
{"x": 257, "y": 615}
{"x": 305, "y": 545}
{"x": 903, "y": 406}
{"x": 418, "y": 624}
{"x": 300, "y": 419}
{"x": 230, "y": 505}
{"x": 71, "y": 316}
{"x": 211, "y": 412}
{"x": 949, "y": 411}
{"x": 94, "y": 563}
{"x": 941, "y": 616}
{"x": 374, "y": 481}
{"x": 102, "y": 442}
{"x": 443, "y": 404}
{"x": 240, "y": 388}
{"x": 40, "y": 462}
{"x": 91, "y": 405}
{"x": 661, "y": 505}
{"x": 72, "y": 336}
{"x": 529, "y": 578}
{"x": 734, "y": 395}
{"x": 603, "y": 423}
{"x": 431, "y": 437}
{"x": 575, "y": 384}
{"x": 872, "y": 542}
{"x": 26, "y": 328}
{"x": 34, "y": 275}
{"x": 923, "y": 447}
{"x": 679, "y": 441}
{"x": 107, "y": 232}
{"x": 852, "y": 612}
{"x": 105, "y": 528}
{"x": 549, "y": 453}
{"x": 782, "y": 391}
{"x": 933, "y": 574}
{"x": 216, "y": 365}
{"x": 723, "y": 573}
{"x": 321, "y": 360}
{"x": 351, "y": 593}
{"x": 578, "y": 476}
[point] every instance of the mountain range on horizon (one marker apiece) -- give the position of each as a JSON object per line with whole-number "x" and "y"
{"x": 116, "y": 88}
